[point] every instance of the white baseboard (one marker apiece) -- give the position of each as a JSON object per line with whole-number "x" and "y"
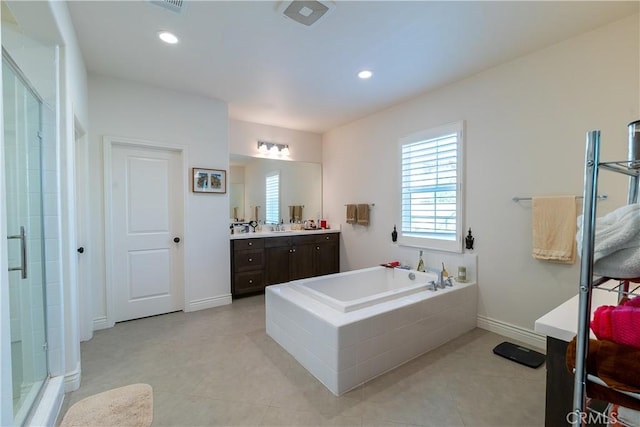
{"x": 101, "y": 323}
{"x": 526, "y": 336}
{"x": 72, "y": 379}
{"x": 205, "y": 303}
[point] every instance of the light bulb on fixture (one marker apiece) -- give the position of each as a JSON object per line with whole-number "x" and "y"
{"x": 273, "y": 149}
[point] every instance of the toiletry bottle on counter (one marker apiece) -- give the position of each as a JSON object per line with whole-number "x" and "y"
{"x": 420, "y": 263}
{"x": 462, "y": 273}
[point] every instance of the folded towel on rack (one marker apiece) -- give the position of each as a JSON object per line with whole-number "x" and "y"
{"x": 623, "y": 264}
{"x": 618, "y": 323}
{"x": 554, "y": 227}
{"x": 617, "y": 365}
{"x": 363, "y": 214}
{"x": 625, "y": 322}
{"x": 601, "y": 323}
{"x": 616, "y": 251}
{"x": 352, "y": 214}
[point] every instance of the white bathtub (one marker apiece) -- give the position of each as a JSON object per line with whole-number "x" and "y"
{"x": 348, "y": 328}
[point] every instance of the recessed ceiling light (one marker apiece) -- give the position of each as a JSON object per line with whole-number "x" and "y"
{"x": 365, "y": 74}
{"x": 168, "y": 37}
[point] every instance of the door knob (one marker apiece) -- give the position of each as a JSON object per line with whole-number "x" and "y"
{"x": 176, "y": 239}
{"x": 81, "y": 250}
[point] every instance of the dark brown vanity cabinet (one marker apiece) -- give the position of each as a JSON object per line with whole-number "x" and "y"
{"x": 327, "y": 254}
{"x": 247, "y": 266}
{"x": 289, "y": 258}
{"x": 256, "y": 263}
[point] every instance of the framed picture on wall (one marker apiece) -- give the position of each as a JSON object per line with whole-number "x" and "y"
{"x": 209, "y": 180}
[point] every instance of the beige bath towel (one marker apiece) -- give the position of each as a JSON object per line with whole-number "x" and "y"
{"x": 297, "y": 212}
{"x": 554, "y": 228}
{"x": 352, "y": 214}
{"x": 363, "y": 214}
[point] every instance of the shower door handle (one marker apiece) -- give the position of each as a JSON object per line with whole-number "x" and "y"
{"x": 23, "y": 252}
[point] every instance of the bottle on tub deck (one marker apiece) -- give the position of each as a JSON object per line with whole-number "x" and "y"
{"x": 420, "y": 263}
{"x": 445, "y": 273}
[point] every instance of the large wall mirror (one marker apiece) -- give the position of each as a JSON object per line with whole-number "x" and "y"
{"x": 300, "y": 184}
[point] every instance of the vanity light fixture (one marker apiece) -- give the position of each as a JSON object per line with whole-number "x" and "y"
{"x": 273, "y": 148}
{"x": 167, "y": 37}
{"x": 365, "y": 74}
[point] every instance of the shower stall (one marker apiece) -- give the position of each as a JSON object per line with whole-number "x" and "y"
{"x": 22, "y": 115}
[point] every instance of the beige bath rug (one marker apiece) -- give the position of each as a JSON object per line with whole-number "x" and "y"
{"x": 131, "y": 405}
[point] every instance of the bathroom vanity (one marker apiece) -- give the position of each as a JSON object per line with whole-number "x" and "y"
{"x": 262, "y": 259}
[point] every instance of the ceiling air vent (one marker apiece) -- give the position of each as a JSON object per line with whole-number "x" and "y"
{"x": 306, "y": 12}
{"x": 172, "y": 5}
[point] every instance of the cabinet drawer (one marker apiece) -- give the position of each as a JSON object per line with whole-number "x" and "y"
{"x": 329, "y": 237}
{"x": 252, "y": 259}
{"x": 276, "y": 242}
{"x": 242, "y": 244}
{"x": 303, "y": 240}
{"x": 248, "y": 282}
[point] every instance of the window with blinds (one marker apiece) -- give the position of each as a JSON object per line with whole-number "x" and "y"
{"x": 272, "y": 192}
{"x": 431, "y": 177}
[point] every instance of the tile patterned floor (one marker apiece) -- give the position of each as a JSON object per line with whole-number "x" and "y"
{"x": 217, "y": 367}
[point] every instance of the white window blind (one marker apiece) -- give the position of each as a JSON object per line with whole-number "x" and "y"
{"x": 272, "y": 192}
{"x": 431, "y": 190}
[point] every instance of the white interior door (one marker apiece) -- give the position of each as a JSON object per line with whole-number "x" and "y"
{"x": 83, "y": 265}
{"x": 146, "y": 231}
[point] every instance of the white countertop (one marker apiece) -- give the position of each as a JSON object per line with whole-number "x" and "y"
{"x": 260, "y": 234}
{"x": 562, "y": 321}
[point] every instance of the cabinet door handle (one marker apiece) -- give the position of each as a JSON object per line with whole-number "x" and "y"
{"x": 318, "y": 248}
{"x": 250, "y": 259}
{"x": 326, "y": 238}
{"x": 250, "y": 281}
{"x": 250, "y": 243}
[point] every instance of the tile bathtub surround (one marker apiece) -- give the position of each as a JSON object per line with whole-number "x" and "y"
{"x": 344, "y": 350}
{"x": 218, "y": 367}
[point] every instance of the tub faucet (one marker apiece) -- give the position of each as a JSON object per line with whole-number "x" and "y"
{"x": 440, "y": 283}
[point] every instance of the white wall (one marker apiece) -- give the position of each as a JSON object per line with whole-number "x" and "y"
{"x": 525, "y": 129}
{"x": 131, "y": 110}
{"x": 244, "y": 137}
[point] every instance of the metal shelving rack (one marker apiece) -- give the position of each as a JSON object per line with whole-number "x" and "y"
{"x": 630, "y": 167}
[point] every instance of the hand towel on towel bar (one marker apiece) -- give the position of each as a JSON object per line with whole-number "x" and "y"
{"x": 363, "y": 214}
{"x": 351, "y": 214}
{"x": 554, "y": 228}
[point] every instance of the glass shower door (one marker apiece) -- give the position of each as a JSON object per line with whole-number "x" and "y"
{"x": 23, "y": 172}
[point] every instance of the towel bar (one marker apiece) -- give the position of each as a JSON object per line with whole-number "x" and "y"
{"x": 520, "y": 199}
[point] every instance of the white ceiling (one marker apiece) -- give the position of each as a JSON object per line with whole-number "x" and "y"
{"x": 274, "y": 71}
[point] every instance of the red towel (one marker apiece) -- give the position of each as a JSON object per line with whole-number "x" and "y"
{"x": 625, "y": 325}
{"x": 601, "y": 324}
{"x": 620, "y": 324}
